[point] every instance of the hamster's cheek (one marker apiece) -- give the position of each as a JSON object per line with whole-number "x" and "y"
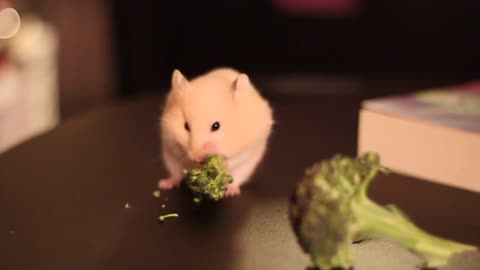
{"x": 181, "y": 138}
{"x": 184, "y": 141}
{"x": 225, "y": 150}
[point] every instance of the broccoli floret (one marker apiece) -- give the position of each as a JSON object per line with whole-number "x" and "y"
{"x": 210, "y": 180}
{"x": 330, "y": 209}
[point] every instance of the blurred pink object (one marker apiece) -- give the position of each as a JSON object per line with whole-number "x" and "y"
{"x": 473, "y": 87}
{"x": 318, "y": 7}
{"x": 28, "y": 83}
{"x": 12, "y": 110}
{"x": 6, "y": 3}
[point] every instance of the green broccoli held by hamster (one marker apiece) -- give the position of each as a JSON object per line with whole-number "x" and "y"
{"x": 330, "y": 209}
{"x": 210, "y": 180}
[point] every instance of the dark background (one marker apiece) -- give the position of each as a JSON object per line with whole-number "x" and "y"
{"x": 434, "y": 42}
{"x": 64, "y": 194}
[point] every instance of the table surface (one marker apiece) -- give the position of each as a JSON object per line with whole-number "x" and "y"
{"x": 63, "y": 196}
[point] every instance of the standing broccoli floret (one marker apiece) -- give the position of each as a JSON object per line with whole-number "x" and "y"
{"x": 210, "y": 180}
{"x": 330, "y": 209}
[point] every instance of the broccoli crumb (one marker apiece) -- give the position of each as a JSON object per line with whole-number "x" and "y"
{"x": 164, "y": 217}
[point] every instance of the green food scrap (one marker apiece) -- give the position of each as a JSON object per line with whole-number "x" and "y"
{"x": 210, "y": 180}
{"x": 156, "y": 194}
{"x": 330, "y": 209}
{"x": 164, "y": 217}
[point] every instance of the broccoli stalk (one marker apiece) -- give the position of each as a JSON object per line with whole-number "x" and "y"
{"x": 210, "y": 180}
{"x": 330, "y": 209}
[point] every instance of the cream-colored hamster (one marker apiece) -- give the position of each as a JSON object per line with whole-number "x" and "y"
{"x": 219, "y": 112}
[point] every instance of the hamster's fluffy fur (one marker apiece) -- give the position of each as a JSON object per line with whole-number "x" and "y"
{"x": 223, "y": 96}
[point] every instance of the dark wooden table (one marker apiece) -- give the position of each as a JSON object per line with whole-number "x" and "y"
{"x": 63, "y": 195}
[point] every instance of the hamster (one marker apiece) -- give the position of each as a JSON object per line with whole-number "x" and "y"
{"x": 219, "y": 112}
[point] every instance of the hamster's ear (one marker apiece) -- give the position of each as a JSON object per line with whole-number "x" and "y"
{"x": 179, "y": 82}
{"x": 241, "y": 86}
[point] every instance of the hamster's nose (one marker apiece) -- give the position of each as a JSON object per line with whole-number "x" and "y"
{"x": 209, "y": 146}
{"x": 199, "y": 158}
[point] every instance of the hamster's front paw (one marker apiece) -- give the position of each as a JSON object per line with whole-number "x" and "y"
{"x": 232, "y": 190}
{"x": 169, "y": 183}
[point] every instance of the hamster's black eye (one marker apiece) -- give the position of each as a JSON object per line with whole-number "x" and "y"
{"x": 215, "y": 126}
{"x": 187, "y": 127}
